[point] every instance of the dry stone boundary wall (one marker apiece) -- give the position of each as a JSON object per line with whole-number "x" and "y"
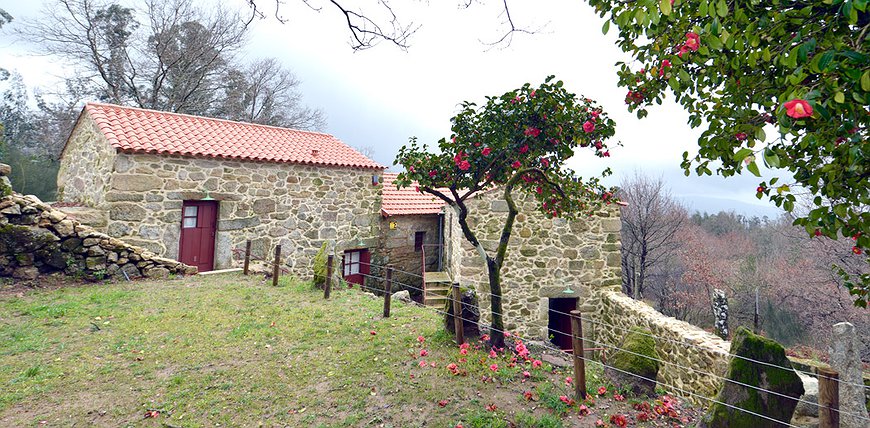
{"x": 679, "y": 343}
{"x": 38, "y": 239}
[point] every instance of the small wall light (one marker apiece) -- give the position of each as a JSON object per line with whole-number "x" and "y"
{"x": 207, "y": 196}
{"x": 393, "y": 225}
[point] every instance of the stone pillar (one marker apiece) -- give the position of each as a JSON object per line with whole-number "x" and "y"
{"x": 847, "y": 362}
{"x": 720, "y": 312}
{"x": 5, "y": 185}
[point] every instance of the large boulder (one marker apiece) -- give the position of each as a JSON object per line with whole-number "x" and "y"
{"x": 784, "y": 382}
{"x": 635, "y": 365}
{"x": 470, "y": 314}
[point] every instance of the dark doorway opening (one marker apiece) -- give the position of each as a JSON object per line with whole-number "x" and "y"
{"x": 198, "y": 228}
{"x": 559, "y": 324}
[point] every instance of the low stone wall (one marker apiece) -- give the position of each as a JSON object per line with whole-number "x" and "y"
{"x": 37, "y": 239}
{"x": 677, "y": 342}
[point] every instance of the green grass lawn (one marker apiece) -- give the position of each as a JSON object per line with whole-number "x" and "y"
{"x": 233, "y": 351}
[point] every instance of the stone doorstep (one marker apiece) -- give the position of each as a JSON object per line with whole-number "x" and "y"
{"x": 220, "y": 271}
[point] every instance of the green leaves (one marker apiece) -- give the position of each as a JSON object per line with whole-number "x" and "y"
{"x": 665, "y": 6}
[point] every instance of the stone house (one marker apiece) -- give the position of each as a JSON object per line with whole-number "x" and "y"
{"x": 195, "y": 189}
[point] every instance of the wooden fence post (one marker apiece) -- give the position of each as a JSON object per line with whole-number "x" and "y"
{"x": 457, "y": 314}
{"x": 327, "y": 288}
{"x": 829, "y": 398}
{"x": 276, "y": 270}
{"x": 577, "y": 350}
{"x": 247, "y": 255}
{"x": 388, "y": 292}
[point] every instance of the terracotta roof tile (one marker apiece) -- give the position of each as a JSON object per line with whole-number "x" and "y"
{"x": 407, "y": 201}
{"x": 149, "y": 131}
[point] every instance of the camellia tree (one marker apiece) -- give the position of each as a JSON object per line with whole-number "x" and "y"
{"x": 799, "y": 68}
{"x": 518, "y": 142}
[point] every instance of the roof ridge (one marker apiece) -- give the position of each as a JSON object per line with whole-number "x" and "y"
{"x": 216, "y": 119}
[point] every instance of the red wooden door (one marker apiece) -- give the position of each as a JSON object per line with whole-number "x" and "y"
{"x": 560, "y": 322}
{"x": 198, "y": 227}
{"x": 356, "y": 265}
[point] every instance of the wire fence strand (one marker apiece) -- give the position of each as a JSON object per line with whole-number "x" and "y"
{"x": 690, "y": 393}
{"x": 667, "y": 339}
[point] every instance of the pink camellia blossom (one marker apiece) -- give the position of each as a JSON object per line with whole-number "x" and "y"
{"x": 421, "y": 339}
{"x": 422, "y": 363}
{"x": 494, "y": 367}
{"x": 598, "y": 145}
{"x": 602, "y": 390}
{"x": 523, "y": 149}
{"x": 798, "y": 108}
{"x": 606, "y": 153}
{"x": 595, "y": 113}
{"x": 568, "y": 380}
{"x": 534, "y": 92}
{"x": 539, "y": 190}
{"x": 536, "y": 363}
{"x": 424, "y": 352}
{"x": 484, "y": 338}
{"x": 433, "y": 173}
{"x": 492, "y": 354}
{"x": 740, "y": 136}
{"x": 516, "y": 165}
{"x": 527, "y": 395}
{"x": 532, "y": 132}
{"x": 545, "y": 162}
{"x": 563, "y": 398}
{"x": 486, "y": 151}
{"x": 464, "y": 165}
{"x": 526, "y": 374}
{"x": 588, "y": 127}
{"x": 411, "y": 168}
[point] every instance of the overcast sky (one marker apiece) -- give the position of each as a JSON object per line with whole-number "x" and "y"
{"x": 380, "y": 97}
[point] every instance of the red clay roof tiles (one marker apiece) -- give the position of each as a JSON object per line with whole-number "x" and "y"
{"x": 149, "y": 131}
{"x": 407, "y": 201}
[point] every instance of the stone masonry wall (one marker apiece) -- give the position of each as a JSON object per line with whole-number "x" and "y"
{"x": 678, "y": 342}
{"x": 36, "y": 239}
{"x": 297, "y": 206}
{"x": 545, "y": 257}
{"x": 396, "y": 247}
{"x": 86, "y": 165}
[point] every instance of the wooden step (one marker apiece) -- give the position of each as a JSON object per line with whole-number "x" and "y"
{"x": 439, "y": 301}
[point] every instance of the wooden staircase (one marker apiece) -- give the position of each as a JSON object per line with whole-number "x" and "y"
{"x": 436, "y": 286}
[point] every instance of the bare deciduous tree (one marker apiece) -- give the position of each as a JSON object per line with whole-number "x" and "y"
{"x": 170, "y": 56}
{"x": 649, "y": 224}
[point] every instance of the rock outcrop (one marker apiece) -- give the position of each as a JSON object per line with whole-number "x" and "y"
{"x": 772, "y": 392}
{"x": 635, "y": 365}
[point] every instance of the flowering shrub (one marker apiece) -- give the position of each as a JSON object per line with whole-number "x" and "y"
{"x": 519, "y": 141}
{"x": 807, "y": 77}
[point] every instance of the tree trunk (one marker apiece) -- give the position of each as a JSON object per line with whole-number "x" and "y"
{"x": 496, "y": 330}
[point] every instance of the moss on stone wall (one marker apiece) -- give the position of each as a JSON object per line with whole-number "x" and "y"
{"x": 319, "y": 266}
{"x": 636, "y": 363}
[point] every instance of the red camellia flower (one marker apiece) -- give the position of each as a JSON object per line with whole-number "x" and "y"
{"x": 536, "y": 363}
{"x": 527, "y": 395}
{"x": 433, "y": 173}
{"x": 464, "y": 165}
{"x": 516, "y": 165}
{"x": 619, "y": 420}
{"x": 798, "y": 108}
{"x": 421, "y": 339}
{"x": 818, "y": 232}
{"x": 491, "y": 407}
{"x": 759, "y": 189}
{"x": 524, "y": 148}
{"x": 856, "y": 250}
{"x": 602, "y": 390}
{"x": 494, "y": 367}
{"x": 545, "y": 162}
{"x": 486, "y": 151}
{"x": 693, "y": 41}
{"x": 424, "y": 352}
{"x": 534, "y": 92}
{"x": 539, "y": 190}
{"x": 373, "y": 333}
{"x": 588, "y": 127}
{"x": 443, "y": 403}
{"x": 583, "y": 410}
{"x": 598, "y": 145}
{"x": 740, "y": 136}
{"x": 532, "y": 132}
